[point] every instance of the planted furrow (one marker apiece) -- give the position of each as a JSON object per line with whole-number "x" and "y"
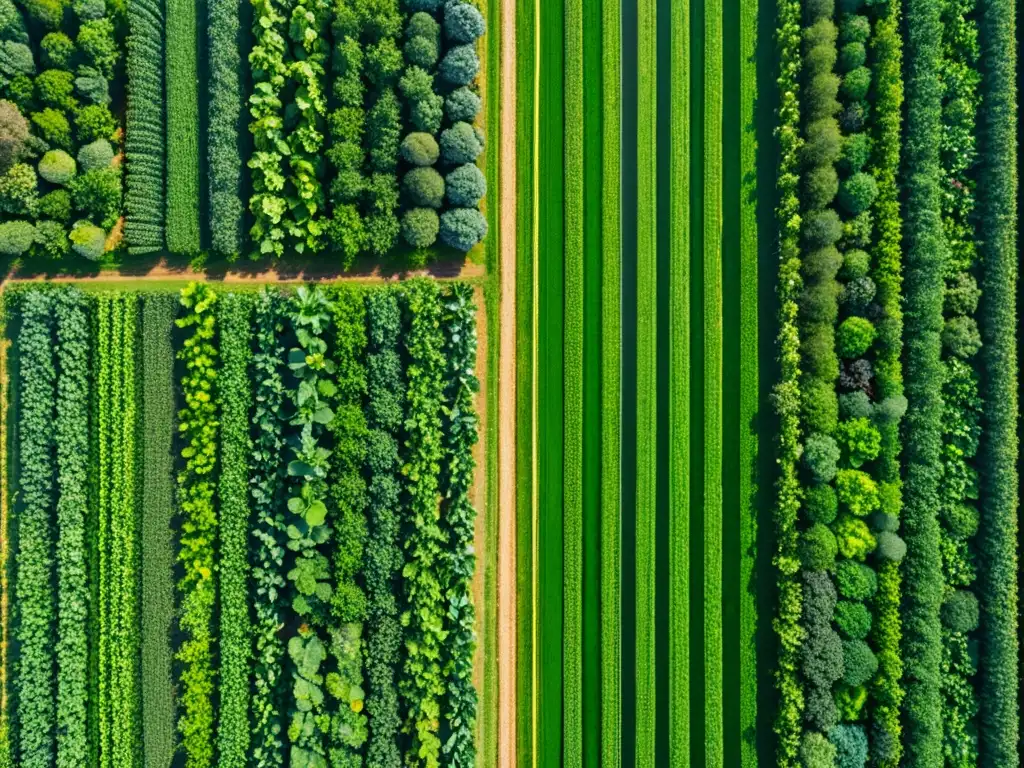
{"x": 224, "y": 107}
{"x": 182, "y": 72}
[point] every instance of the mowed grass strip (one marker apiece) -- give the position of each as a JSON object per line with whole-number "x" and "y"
{"x": 572, "y": 686}
{"x": 182, "y": 72}
{"x": 611, "y": 358}
{"x": 158, "y": 312}
{"x": 679, "y": 387}
{"x": 713, "y": 725}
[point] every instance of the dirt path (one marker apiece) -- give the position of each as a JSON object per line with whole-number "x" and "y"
{"x": 507, "y": 626}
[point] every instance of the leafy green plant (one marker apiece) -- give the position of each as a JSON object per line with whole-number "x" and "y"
{"x": 225, "y": 101}
{"x": 182, "y": 109}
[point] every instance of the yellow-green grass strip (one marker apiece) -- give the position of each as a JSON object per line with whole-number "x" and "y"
{"x": 646, "y": 383}
{"x": 678, "y": 467}
{"x": 572, "y": 550}
{"x": 158, "y": 311}
{"x": 749, "y": 381}
{"x": 550, "y": 402}
{"x": 713, "y": 725}
{"x": 611, "y": 407}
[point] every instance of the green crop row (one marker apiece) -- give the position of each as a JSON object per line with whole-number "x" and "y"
{"x": 145, "y": 128}
{"x": 35, "y": 603}
{"x": 72, "y": 440}
{"x": 234, "y": 313}
{"x": 182, "y": 109}
{"x": 198, "y": 426}
{"x": 157, "y": 538}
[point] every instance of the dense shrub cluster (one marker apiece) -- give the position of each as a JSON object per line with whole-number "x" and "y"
{"x": 55, "y": 101}
{"x": 224, "y": 107}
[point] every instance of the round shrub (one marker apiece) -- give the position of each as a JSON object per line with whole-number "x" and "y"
{"x": 890, "y": 548}
{"x": 854, "y": 337}
{"x": 20, "y": 90}
{"x": 822, "y": 264}
{"x": 819, "y": 303}
{"x": 855, "y": 581}
{"x": 821, "y": 504}
{"x": 57, "y": 167}
{"x": 92, "y": 86}
{"x": 820, "y": 58}
{"x": 52, "y": 240}
{"x": 858, "y": 294}
{"x": 18, "y": 194}
{"x": 56, "y": 205}
{"x": 16, "y": 237}
{"x": 48, "y": 13}
{"x": 821, "y": 457}
{"x": 856, "y": 374}
{"x": 96, "y": 43}
{"x": 960, "y": 336}
{"x": 420, "y": 149}
{"x": 851, "y": 56}
{"x": 463, "y": 23}
{"x": 855, "y": 29}
{"x": 859, "y": 663}
{"x": 820, "y": 710}
{"x": 818, "y": 548}
{"x": 421, "y": 51}
{"x": 855, "y": 405}
{"x": 816, "y": 751}
{"x": 852, "y": 117}
{"x": 97, "y": 195}
{"x": 88, "y": 240}
{"x": 856, "y": 264}
{"x": 853, "y": 538}
{"x": 860, "y": 441}
{"x": 420, "y": 227}
{"x": 57, "y": 50}
{"x": 462, "y": 105}
{"x": 822, "y": 228}
{"x": 821, "y": 96}
{"x": 96, "y": 155}
{"x": 460, "y": 144}
{"x": 891, "y": 410}
{"x": 821, "y": 32}
{"x": 857, "y": 193}
{"x": 423, "y": 188}
{"x": 962, "y": 295}
{"x": 819, "y": 356}
{"x": 89, "y": 10}
{"x": 961, "y": 520}
{"x": 851, "y": 743}
{"x": 14, "y": 135}
{"x": 55, "y": 88}
{"x": 819, "y": 9}
{"x": 850, "y": 701}
{"x": 960, "y": 612}
{"x": 15, "y": 59}
{"x": 821, "y": 185}
{"x": 823, "y": 143}
{"x": 460, "y": 65}
{"x": 819, "y": 599}
{"x": 422, "y": 24}
{"x": 853, "y": 619}
{"x": 855, "y": 154}
{"x": 53, "y": 127}
{"x": 94, "y": 122}
{"x": 819, "y": 406}
{"x": 462, "y": 228}
{"x": 857, "y": 231}
{"x": 856, "y": 84}
{"x": 466, "y": 186}
{"x": 384, "y": 62}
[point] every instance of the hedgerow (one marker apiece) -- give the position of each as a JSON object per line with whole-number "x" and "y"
{"x": 145, "y": 132}
{"x": 925, "y": 255}
{"x": 157, "y": 539}
{"x": 385, "y": 410}
{"x": 234, "y": 397}
{"x": 182, "y": 72}
{"x": 35, "y": 603}
{"x": 999, "y": 722}
{"x": 268, "y": 582}
{"x": 458, "y": 519}
{"x": 224, "y": 157}
{"x": 199, "y": 429}
{"x": 72, "y": 441}
{"x": 422, "y": 682}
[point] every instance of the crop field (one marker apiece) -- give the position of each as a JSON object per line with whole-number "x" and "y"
{"x": 768, "y": 383}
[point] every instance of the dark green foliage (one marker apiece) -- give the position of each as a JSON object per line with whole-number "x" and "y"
{"x": 859, "y": 663}
{"x": 855, "y": 84}
{"x": 822, "y": 651}
{"x": 819, "y": 407}
{"x": 52, "y": 240}
{"x": 158, "y": 311}
{"x": 960, "y": 611}
{"x": 35, "y": 605}
{"x": 960, "y": 336}
{"x": 823, "y": 143}
{"x": 97, "y": 195}
{"x": 420, "y": 149}
{"x": 95, "y": 156}
{"x": 851, "y": 56}
{"x": 461, "y": 105}
{"x": 856, "y": 581}
{"x": 853, "y": 619}
{"x": 235, "y": 399}
{"x": 268, "y": 582}
{"x": 72, "y": 441}
{"x": 851, "y": 743}
{"x": 460, "y": 144}
{"x": 16, "y": 237}
{"x": 821, "y": 457}
{"x": 385, "y": 410}
{"x": 462, "y": 228}
{"x": 822, "y": 229}
{"x": 460, "y": 65}
{"x": 820, "y": 186}
{"x": 857, "y": 193}
{"x": 224, "y": 107}
{"x": 818, "y": 548}
{"x": 423, "y": 188}
{"x": 856, "y": 152}
{"x": 463, "y": 23}
{"x": 821, "y": 504}
{"x": 855, "y": 405}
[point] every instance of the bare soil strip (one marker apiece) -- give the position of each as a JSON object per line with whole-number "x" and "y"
{"x": 507, "y": 627}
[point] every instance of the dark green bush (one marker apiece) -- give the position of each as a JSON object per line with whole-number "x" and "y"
{"x": 821, "y": 32}
{"x": 818, "y": 351}
{"x": 420, "y": 227}
{"x": 882, "y": 521}
{"x": 460, "y": 144}
{"x": 823, "y": 143}
{"x": 52, "y": 240}
{"x": 16, "y": 237}
{"x": 423, "y": 188}
{"x": 420, "y": 149}
{"x": 961, "y": 337}
{"x": 421, "y": 51}
{"x": 462, "y": 105}
{"x": 857, "y": 232}
{"x": 384, "y": 62}
{"x": 819, "y": 407}
{"x": 820, "y": 96}
{"x": 858, "y": 294}
{"x": 56, "y": 205}
{"x": 818, "y": 548}
{"x": 97, "y": 194}
{"x": 820, "y": 186}
{"x": 460, "y": 65}
{"x": 465, "y": 186}
{"x": 891, "y": 410}
{"x": 851, "y": 743}
{"x": 819, "y": 303}
{"x": 822, "y": 264}
{"x": 821, "y": 457}
{"x": 463, "y": 23}
{"x": 426, "y": 108}
{"x": 820, "y": 504}
{"x": 855, "y": 581}
{"x": 854, "y": 29}
{"x": 855, "y": 154}
{"x": 960, "y": 612}
{"x": 858, "y": 192}
{"x": 92, "y": 86}
{"x": 855, "y": 405}
{"x": 820, "y": 58}
{"x": 961, "y": 520}
{"x": 962, "y": 295}
{"x": 851, "y": 56}
{"x": 859, "y": 662}
{"x": 853, "y": 619}
{"x": 822, "y": 229}
{"x": 856, "y": 84}
{"x": 462, "y": 228}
